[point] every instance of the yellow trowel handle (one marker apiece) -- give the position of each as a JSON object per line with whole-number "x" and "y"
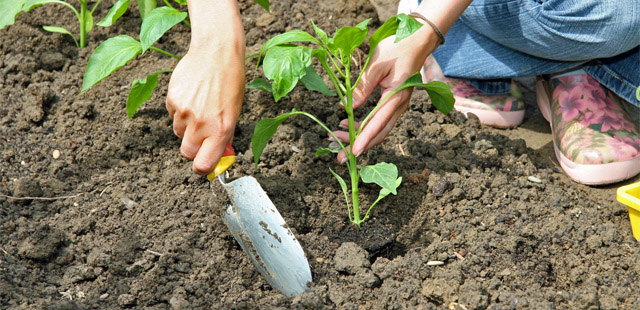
{"x": 227, "y": 159}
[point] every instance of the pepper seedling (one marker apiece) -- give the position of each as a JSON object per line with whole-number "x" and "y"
{"x": 11, "y": 9}
{"x": 114, "y": 53}
{"x": 286, "y": 64}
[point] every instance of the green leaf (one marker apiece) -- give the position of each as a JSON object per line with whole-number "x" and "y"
{"x": 313, "y": 81}
{"x": 145, "y": 7}
{"x": 141, "y": 90}
{"x": 441, "y": 96}
{"x": 181, "y": 2}
{"x": 363, "y": 24}
{"x": 264, "y": 4}
{"x": 345, "y": 190}
{"x": 114, "y": 13}
{"x": 383, "y": 174}
{"x": 324, "y": 38}
{"x": 32, "y": 4}
{"x": 387, "y": 29}
{"x": 638, "y": 93}
{"x": 347, "y": 39}
{"x": 265, "y": 128}
{"x": 88, "y": 21}
{"x": 60, "y": 30}
{"x": 157, "y": 23}
{"x": 108, "y": 57}
{"x": 10, "y": 9}
{"x": 260, "y": 84}
{"x": 384, "y": 191}
{"x": 326, "y": 150}
{"x": 287, "y": 37}
{"x": 440, "y": 93}
{"x": 406, "y": 26}
{"x": 285, "y": 65}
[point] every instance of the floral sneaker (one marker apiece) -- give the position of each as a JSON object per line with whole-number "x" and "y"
{"x": 594, "y": 138}
{"x": 502, "y": 111}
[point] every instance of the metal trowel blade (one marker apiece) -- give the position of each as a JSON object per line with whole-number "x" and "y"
{"x": 263, "y": 234}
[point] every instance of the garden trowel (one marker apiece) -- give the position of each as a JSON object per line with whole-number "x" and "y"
{"x": 260, "y": 229}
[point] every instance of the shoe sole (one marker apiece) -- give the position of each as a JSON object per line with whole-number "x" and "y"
{"x": 582, "y": 173}
{"x": 497, "y": 119}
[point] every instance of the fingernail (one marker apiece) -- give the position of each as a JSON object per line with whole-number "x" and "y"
{"x": 344, "y": 160}
{"x": 343, "y": 126}
{"x": 332, "y": 139}
{"x": 358, "y": 154}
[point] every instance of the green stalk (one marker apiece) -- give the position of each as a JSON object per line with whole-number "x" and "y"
{"x": 83, "y": 23}
{"x": 153, "y": 48}
{"x": 334, "y": 79}
{"x": 95, "y": 6}
{"x": 353, "y": 167}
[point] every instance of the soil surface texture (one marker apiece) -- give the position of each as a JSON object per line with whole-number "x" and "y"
{"x": 98, "y": 211}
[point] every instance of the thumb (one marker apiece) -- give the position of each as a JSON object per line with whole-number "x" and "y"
{"x": 368, "y": 82}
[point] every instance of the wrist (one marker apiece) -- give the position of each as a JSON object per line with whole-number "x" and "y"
{"x": 425, "y": 21}
{"x": 215, "y": 24}
{"x": 234, "y": 43}
{"x": 426, "y": 38}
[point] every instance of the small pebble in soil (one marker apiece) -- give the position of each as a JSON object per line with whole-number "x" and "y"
{"x": 104, "y": 296}
{"x": 128, "y": 203}
{"x": 56, "y": 154}
{"x": 435, "y": 263}
{"x": 534, "y": 179}
{"x": 295, "y": 149}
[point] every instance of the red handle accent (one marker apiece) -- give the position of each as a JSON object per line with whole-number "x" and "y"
{"x": 228, "y": 151}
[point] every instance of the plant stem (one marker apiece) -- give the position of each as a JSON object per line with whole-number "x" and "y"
{"x": 353, "y": 165}
{"x": 164, "y": 52}
{"x": 95, "y": 6}
{"x": 83, "y": 23}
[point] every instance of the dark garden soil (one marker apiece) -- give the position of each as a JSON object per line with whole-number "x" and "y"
{"x": 118, "y": 220}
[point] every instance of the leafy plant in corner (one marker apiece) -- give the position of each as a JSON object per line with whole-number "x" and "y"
{"x": 11, "y": 9}
{"x": 116, "y": 52}
{"x": 286, "y": 64}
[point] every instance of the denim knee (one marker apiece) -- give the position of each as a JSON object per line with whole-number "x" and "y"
{"x": 595, "y": 28}
{"x": 562, "y": 30}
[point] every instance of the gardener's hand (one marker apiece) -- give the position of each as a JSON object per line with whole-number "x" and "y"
{"x": 391, "y": 64}
{"x": 207, "y": 86}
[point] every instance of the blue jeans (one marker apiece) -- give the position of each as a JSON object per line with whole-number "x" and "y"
{"x": 496, "y": 40}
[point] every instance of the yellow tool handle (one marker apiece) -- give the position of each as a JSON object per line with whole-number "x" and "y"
{"x": 227, "y": 159}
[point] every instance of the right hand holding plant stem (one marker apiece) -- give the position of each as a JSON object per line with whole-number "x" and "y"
{"x": 391, "y": 64}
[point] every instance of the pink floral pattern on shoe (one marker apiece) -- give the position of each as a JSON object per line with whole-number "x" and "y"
{"x": 590, "y": 126}
{"x": 470, "y": 97}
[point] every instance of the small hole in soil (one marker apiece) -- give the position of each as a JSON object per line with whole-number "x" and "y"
{"x": 393, "y": 250}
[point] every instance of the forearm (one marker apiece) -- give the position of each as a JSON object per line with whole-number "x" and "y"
{"x": 216, "y": 24}
{"x": 441, "y": 13}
